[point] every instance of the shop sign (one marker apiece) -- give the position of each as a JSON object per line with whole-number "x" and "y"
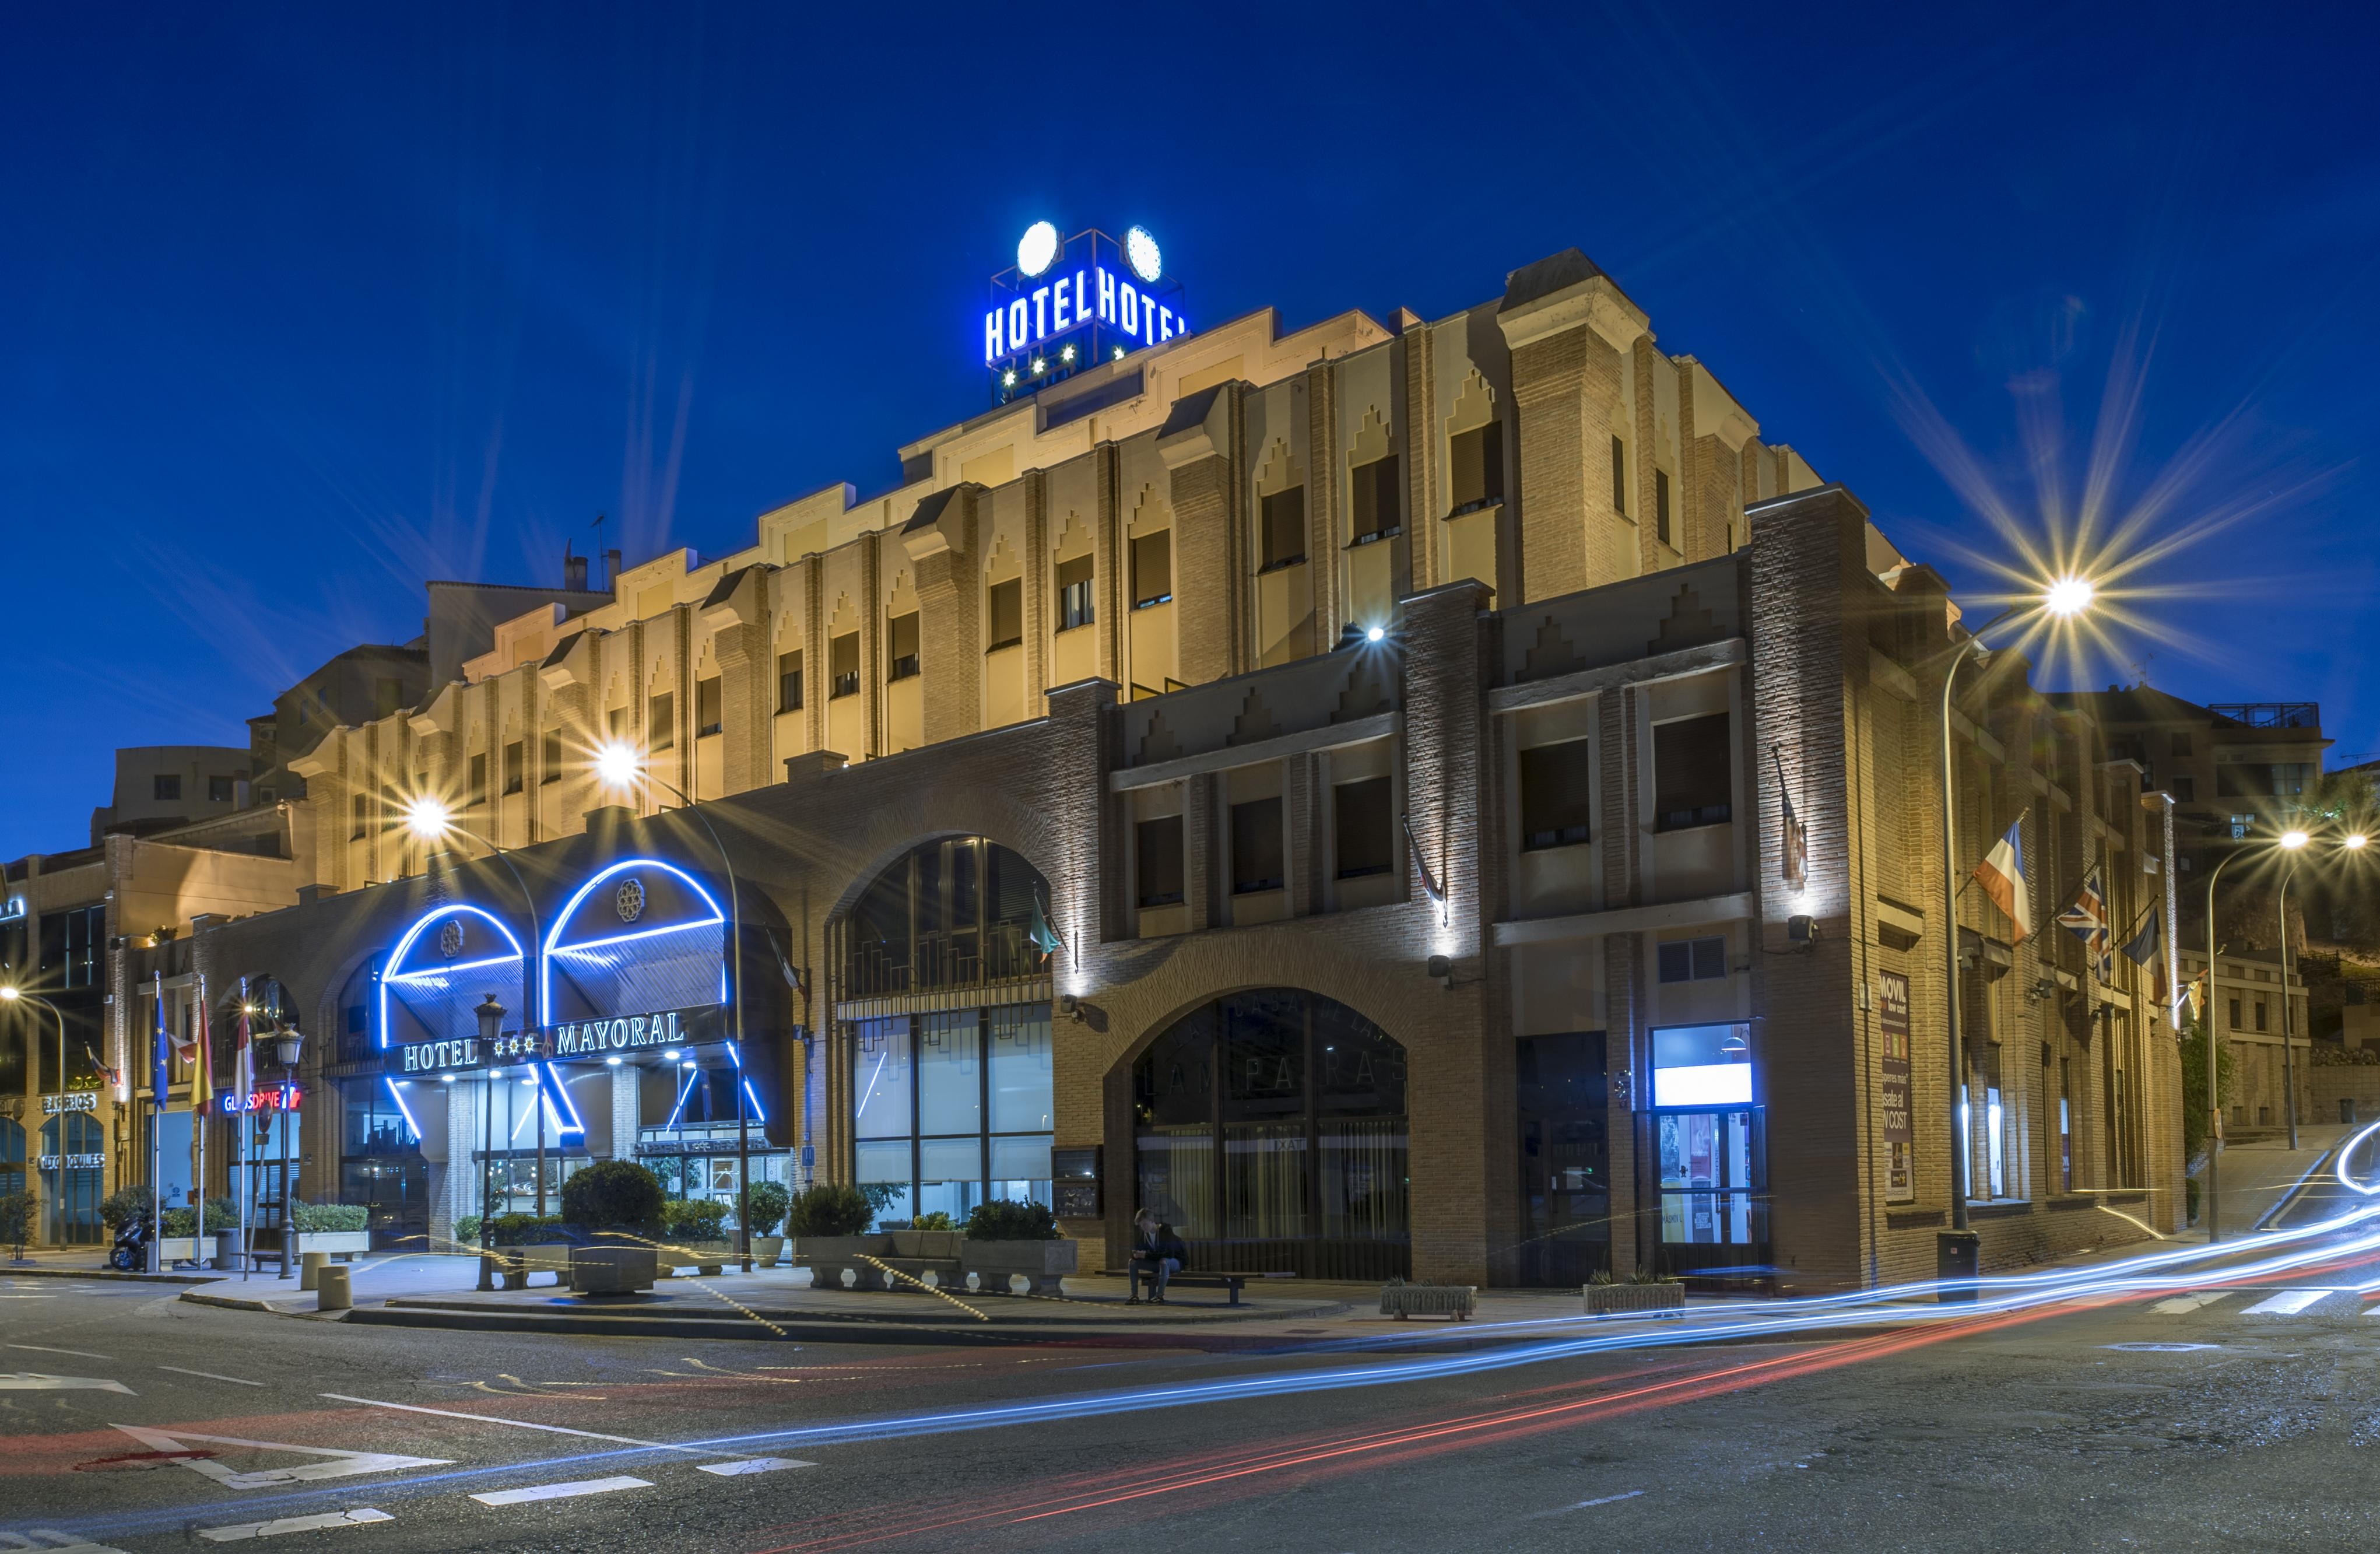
{"x": 74, "y": 1162}
{"x": 280, "y": 1098}
{"x": 1892, "y": 1096}
{"x": 670, "y": 1028}
{"x": 461, "y": 1053}
{"x": 73, "y": 1100}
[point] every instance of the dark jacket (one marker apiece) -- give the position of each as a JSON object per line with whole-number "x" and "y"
{"x": 1160, "y": 1243}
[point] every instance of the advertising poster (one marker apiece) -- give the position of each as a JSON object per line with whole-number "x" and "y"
{"x": 1899, "y": 1144}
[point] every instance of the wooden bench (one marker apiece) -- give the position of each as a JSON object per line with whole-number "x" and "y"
{"x": 1233, "y": 1282}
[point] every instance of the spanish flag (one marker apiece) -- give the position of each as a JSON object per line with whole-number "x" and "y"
{"x": 2001, "y": 874}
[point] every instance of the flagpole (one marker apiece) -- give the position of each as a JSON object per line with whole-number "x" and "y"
{"x": 2288, "y": 1071}
{"x": 201, "y": 1085}
{"x": 156, "y": 1131}
{"x": 241, "y": 1064}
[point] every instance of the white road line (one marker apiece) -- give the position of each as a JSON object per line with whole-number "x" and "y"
{"x": 2180, "y": 1305}
{"x": 183, "y": 1371}
{"x": 77, "y": 1354}
{"x": 562, "y": 1491}
{"x": 752, "y": 1464}
{"x": 2289, "y": 1302}
{"x": 362, "y": 1517}
{"x": 33, "y": 1381}
{"x": 523, "y": 1424}
{"x": 1566, "y": 1509}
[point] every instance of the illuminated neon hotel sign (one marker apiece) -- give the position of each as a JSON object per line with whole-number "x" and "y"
{"x": 1069, "y": 304}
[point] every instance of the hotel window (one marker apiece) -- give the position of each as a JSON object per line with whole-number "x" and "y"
{"x": 1255, "y": 847}
{"x": 1283, "y": 521}
{"x": 1619, "y": 476}
{"x": 901, "y": 635}
{"x": 1692, "y": 777}
{"x": 957, "y": 1109}
{"x": 1556, "y": 795}
{"x": 843, "y": 666}
{"x": 2242, "y": 827}
{"x": 1693, "y": 959}
{"x": 1373, "y": 496}
{"x": 1074, "y": 593}
{"x": 1006, "y": 627}
{"x": 1362, "y": 824}
{"x": 549, "y": 757}
{"x": 2185, "y": 790}
{"x": 1152, "y": 569}
{"x": 166, "y": 788}
{"x": 1662, "y": 505}
{"x": 1475, "y": 469}
{"x": 359, "y": 817}
{"x": 1157, "y": 861}
{"x": 476, "y": 787}
{"x": 707, "y": 700}
{"x": 219, "y": 790}
{"x": 789, "y": 681}
{"x": 661, "y": 722}
{"x": 85, "y": 929}
{"x": 515, "y": 767}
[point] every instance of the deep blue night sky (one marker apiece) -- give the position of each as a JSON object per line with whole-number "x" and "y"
{"x": 302, "y": 307}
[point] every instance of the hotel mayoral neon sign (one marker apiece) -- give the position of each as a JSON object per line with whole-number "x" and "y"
{"x": 1071, "y": 303}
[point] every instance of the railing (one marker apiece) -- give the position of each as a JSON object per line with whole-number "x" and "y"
{"x": 2269, "y": 714}
{"x": 967, "y": 958}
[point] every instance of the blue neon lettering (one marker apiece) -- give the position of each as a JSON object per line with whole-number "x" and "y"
{"x": 1058, "y": 313}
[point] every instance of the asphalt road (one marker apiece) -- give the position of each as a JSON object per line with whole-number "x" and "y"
{"x": 2170, "y": 1422}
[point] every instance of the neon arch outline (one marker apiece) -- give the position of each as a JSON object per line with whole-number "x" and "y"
{"x": 404, "y": 943}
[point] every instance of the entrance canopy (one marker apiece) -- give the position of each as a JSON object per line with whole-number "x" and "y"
{"x": 641, "y": 938}
{"x": 439, "y": 970}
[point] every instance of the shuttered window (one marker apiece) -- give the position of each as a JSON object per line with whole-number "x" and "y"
{"x": 1475, "y": 470}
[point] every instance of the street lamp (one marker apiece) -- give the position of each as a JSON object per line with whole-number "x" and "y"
{"x": 491, "y": 1022}
{"x": 619, "y": 765}
{"x": 11, "y": 993}
{"x": 2290, "y": 843}
{"x": 2064, "y": 599}
{"x": 288, "y": 1043}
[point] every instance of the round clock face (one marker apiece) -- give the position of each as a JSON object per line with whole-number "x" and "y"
{"x": 1141, "y": 252}
{"x": 1037, "y": 248}
{"x": 450, "y": 938}
{"x": 630, "y": 900}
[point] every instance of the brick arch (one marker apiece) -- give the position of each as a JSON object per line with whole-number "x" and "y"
{"x": 945, "y": 810}
{"x": 1198, "y": 972}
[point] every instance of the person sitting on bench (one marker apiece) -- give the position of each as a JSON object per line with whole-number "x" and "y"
{"x": 1157, "y": 1255}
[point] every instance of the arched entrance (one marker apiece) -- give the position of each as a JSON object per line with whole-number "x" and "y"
{"x": 941, "y": 1002}
{"x": 1270, "y": 1129}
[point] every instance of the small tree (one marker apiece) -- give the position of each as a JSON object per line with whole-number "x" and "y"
{"x": 768, "y": 1202}
{"x": 16, "y": 1219}
{"x": 828, "y": 1209}
{"x": 138, "y": 1201}
{"x": 613, "y": 1195}
{"x": 2194, "y": 1104}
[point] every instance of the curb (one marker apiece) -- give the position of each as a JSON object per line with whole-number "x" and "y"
{"x": 732, "y": 1328}
{"x": 109, "y": 1274}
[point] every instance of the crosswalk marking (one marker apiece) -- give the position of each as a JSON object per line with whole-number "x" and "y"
{"x": 2299, "y": 1302}
{"x": 361, "y": 1517}
{"x": 2180, "y": 1305}
{"x": 562, "y": 1491}
{"x": 753, "y": 1464}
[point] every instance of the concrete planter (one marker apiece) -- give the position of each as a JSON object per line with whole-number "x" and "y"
{"x": 830, "y": 1256}
{"x": 1657, "y": 1300}
{"x": 1402, "y": 1300}
{"x": 343, "y": 1245}
{"x": 768, "y": 1250}
{"x": 707, "y": 1256}
{"x": 517, "y": 1263}
{"x": 174, "y": 1249}
{"x": 989, "y": 1266}
{"x": 612, "y": 1270}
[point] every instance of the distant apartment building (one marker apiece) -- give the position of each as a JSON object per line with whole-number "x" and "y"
{"x": 2237, "y": 770}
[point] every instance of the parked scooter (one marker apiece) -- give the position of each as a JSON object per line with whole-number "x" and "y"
{"x": 131, "y": 1254}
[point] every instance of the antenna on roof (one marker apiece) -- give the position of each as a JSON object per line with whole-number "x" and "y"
{"x": 598, "y": 527}
{"x": 2141, "y": 670}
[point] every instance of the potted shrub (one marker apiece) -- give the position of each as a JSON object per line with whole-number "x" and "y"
{"x": 16, "y": 1211}
{"x": 696, "y": 1230}
{"x": 1658, "y": 1294}
{"x": 767, "y": 1201}
{"x": 615, "y": 1208}
{"x": 337, "y": 1228}
{"x": 826, "y": 1226}
{"x": 1006, "y": 1238}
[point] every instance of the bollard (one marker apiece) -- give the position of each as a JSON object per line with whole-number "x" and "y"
{"x": 330, "y": 1289}
{"x": 310, "y": 1268}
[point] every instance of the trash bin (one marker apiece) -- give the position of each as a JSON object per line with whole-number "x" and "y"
{"x": 1958, "y": 1258}
{"x": 332, "y": 1287}
{"x": 310, "y": 1268}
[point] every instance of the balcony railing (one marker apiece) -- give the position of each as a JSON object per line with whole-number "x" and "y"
{"x": 2269, "y": 714}
{"x": 967, "y": 958}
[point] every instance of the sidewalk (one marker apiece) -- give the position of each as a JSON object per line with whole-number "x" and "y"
{"x": 2254, "y": 1175}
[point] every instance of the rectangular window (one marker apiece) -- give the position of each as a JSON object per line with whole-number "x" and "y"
{"x": 1006, "y": 626}
{"x": 1074, "y": 593}
{"x": 1693, "y": 959}
{"x": 549, "y": 757}
{"x": 219, "y": 790}
{"x": 1157, "y": 861}
{"x": 2235, "y": 1013}
{"x": 661, "y": 722}
{"x": 709, "y": 698}
{"x": 2242, "y": 827}
{"x": 166, "y": 787}
{"x": 843, "y": 666}
{"x": 1693, "y": 778}
{"x": 2181, "y": 745}
{"x": 2185, "y": 790}
{"x": 1284, "y": 527}
{"x": 1360, "y": 812}
{"x": 900, "y": 636}
{"x": 1702, "y": 1066}
{"x": 1556, "y": 795}
{"x": 1619, "y": 476}
{"x": 515, "y": 767}
{"x": 476, "y": 787}
{"x": 789, "y": 681}
{"x": 1255, "y": 847}
{"x": 1475, "y": 469}
{"x": 616, "y": 721}
{"x": 359, "y": 817}
{"x": 2065, "y": 1124}
{"x": 1152, "y": 569}
{"x": 1662, "y": 505}
{"x": 86, "y": 929}
{"x": 1372, "y": 494}
{"x": 2260, "y": 1013}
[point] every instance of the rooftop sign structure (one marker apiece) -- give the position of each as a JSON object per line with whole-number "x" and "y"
{"x": 1068, "y": 304}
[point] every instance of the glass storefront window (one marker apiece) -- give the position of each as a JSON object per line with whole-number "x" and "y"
{"x": 921, "y": 1125}
{"x": 882, "y": 1073}
{"x": 375, "y": 1125}
{"x": 1023, "y": 1077}
{"x": 885, "y": 1162}
{"x": 949, "y": 1077}
{"x": 1707, "y": 1177}
{"x": 1702, "y": 1066}
{"x": 70, "y": 1184}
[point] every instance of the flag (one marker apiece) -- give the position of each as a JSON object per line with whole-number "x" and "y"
{"x": 2086, "y": 918}
{"x": 185, "y": 1043}
{"x": 202, "y": 1078}
{"x": 2145, "y": 948}
{"x": 243, "y": 1053}
{"x": 1793, "y": 862}
{"x": 2001, "y": 874}
{"x": 1039, "y": 932}
{"x": 159, "y": 1042}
